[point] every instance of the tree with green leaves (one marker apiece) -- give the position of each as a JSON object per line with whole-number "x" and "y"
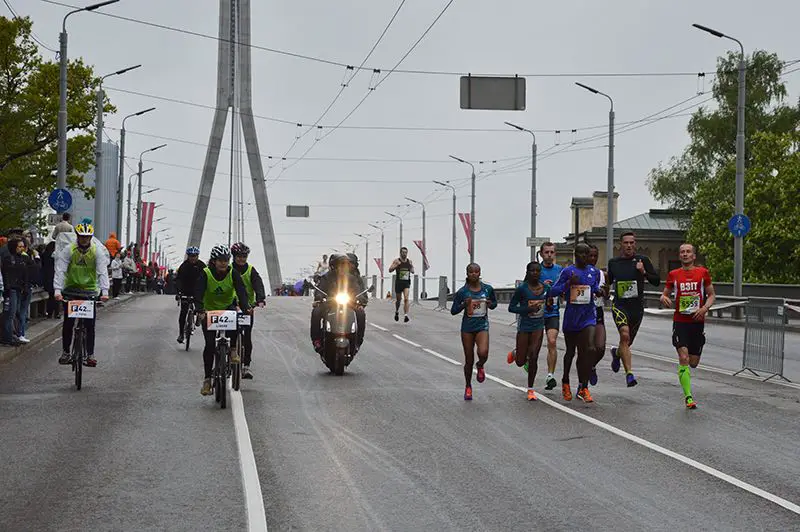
{"x": 29, "y": 102}
{"x": 772, "y": 186}
{"x": 712, "y": 134}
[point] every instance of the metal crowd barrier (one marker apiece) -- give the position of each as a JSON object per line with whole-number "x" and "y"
{"x": 764, "y": 334}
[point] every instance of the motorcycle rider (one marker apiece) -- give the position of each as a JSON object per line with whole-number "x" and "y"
{"x": 185, "y": 281}
{"x": 340, "y": 277}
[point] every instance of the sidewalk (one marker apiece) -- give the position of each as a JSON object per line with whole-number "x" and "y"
{"x": 43, "y": 330}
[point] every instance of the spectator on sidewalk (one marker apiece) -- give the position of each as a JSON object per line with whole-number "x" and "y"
{"x": 15, "y": 272}
{"x": 113, "y": 245}
{"x": 116, "y": 275}
{"x": 129, "y": 270}
{"x": 48, "y": 272}
{"x": 5, "y": 251}
{"x": 64, "y": 226}
{"x": 30, "y": 257}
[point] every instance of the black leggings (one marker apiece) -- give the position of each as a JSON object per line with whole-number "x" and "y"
{"x": 209, "y": 352}
{"x": 247, "y": 337}
{"x": 583, "y": 340}
{"x": 66, "y": 333}
{"x": 182, "y": 316}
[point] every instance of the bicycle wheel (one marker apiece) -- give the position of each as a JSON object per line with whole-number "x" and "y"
{"x": 224, "y": 369}
{"x": 217, "y": 377}
{"x": 77, "y": 356}
{"x": 236, "y": 369}
{"x": 188, "y": 327}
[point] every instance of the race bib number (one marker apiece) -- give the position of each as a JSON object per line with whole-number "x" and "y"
{"x": 404, "y": 275}
{"x": 627, "y": 289}
{"x": 245, "y": 320}
{"x": 689, "y": 304}
{"x": 580, "y": 294}
{"x": 477, "y": 309}
{"x": 80, "y": 309}
{"x": 221, "y": 320}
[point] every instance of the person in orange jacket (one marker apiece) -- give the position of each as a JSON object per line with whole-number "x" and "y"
{"x": 113, "y": 245}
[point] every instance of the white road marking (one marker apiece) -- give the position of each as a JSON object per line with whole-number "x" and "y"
{"x": 384, "y": 329}
{"x": 254, "y": 500}
{"x": 792, "y": 507}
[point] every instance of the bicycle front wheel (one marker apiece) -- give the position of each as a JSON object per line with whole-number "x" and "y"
{"x": 78, "y": 350}
{"x": 188, "y": 328}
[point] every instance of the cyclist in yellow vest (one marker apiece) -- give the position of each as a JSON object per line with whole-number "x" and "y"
{"x": 255, "y": 296}
{"x": 81, "y": 270}
{"x": 219, "y": 287}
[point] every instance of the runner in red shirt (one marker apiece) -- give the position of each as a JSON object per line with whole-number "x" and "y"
{"x": 694, "y": 295}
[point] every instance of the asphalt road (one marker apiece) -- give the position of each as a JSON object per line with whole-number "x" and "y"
{"x": 391, "y": 445}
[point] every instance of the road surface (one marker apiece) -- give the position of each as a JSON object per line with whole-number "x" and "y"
{"x": 391, "y": 445}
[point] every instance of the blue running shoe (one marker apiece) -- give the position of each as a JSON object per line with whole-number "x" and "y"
{"x": 615, "y": 361}
{"x": 631, "y": 380}
{"x": 593, "y": 377}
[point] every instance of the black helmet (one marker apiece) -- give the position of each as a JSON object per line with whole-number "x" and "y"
{"x": 335, "y": 259}
{"x": 353, "y": 258}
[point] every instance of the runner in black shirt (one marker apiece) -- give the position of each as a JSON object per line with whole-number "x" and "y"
{"x": 626, "y": 276}
{"x": 402, "y": 284}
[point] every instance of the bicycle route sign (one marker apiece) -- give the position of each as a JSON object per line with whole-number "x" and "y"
{"x": 60, "y": 200}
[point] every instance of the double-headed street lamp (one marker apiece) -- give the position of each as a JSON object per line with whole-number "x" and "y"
{"x": 122, "y": 169}
{"x": 62, "y": 92}
{"x": 424, "y": 246}
{"x": 128, "y": 228}
{"x": 533, "y": 186}
{"x": 610, "y": 207}
{"x": 383, "y": 264}
{"x": 401, "y": 225}
{"x": 738, "y": 242}
{"x": 139, "y": 186}
{"x": 453, "y": 273}
{"x": 366, "y": 253}
{"x": 471, "y": 211}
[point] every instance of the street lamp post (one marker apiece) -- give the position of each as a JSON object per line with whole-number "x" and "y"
{"x": 121, "y": 172}
{"x": 366, "y": 253}
{"x": 99, "y": 180}
{"x": 62, "y": 92}
{"x": 453, "y": 273}
{"x": 383, "y": 264}
{"x": 472, "y": 211}
{"x": 139, "y": 186}
{"x": 533, "y": 186}
{"x": 738, "y": 241}
{"x": 401, "y": 225}
{"x": 128, "y": 227}
{"x": 610, "y": 207}
{"x": 424, "y": 246}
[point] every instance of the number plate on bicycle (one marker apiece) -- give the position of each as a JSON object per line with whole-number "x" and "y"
{"x": 80, "y": 309}
{"x": 245, "y": 320}
{"x": 221, "y": 320}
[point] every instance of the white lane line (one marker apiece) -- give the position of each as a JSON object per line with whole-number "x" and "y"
{"x": 792, "y": 507}
{"x": 254, "y": 500}
{"x": 384, "y": 329}
{"x": 409, "y": 342}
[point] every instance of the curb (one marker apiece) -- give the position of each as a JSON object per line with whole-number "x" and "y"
{"x": 7, "y": 355}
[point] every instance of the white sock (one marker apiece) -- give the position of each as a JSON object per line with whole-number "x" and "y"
{"x": 550, "y": 376}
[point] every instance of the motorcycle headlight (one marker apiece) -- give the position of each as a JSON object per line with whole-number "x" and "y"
{"x": 342, "y": 298}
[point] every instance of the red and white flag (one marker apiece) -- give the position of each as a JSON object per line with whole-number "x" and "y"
{"x": 379, "y": 262}
{"x": 466, "y": 222}
{"x": 421, "y": 247}
{"x": 148, "y": 210}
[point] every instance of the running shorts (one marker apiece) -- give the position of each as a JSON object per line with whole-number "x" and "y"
{"x": 692, "y": 336}
{"x": 601, "y": 316}
{"x": 553, "y": 322}
{"x": 628, "y": 316}
{"x": 399, "y": 286}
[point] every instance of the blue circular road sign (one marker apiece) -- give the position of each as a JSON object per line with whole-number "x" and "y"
{"x": 60, "y": 200}
{"x": 739, "y": 225}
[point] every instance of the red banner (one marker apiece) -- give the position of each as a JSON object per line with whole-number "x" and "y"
{"x": 466, "y": 220}
{"x": 426, "y": 264}
{"x": 379, "y": 262}
{"x": 148, "y": 210}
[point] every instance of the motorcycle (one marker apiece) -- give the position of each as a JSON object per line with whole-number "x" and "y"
{"x": 339, "y": 330}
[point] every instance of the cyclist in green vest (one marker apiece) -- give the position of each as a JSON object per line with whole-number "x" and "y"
{"x": 255, "y": 296}
{"x": 81, "y": 270}
{"x": 219, "y": 287}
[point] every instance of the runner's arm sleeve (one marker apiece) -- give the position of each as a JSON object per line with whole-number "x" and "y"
{"x": 711, "y": 296}
{"x": 561, "y": 284}
{"x": 515, "y": 305}
{"x": 241, "y": 291}
{"x": 650, "y": 273}
{"x": 199, "y": 292}
{"x": 668, "y": 285}
{"x": 61, "y": 266}
{"x": 492, "y": 299}
{"x": 258, "y": 286}
{"x": 458, "y": 303}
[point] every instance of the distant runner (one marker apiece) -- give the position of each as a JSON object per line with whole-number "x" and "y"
{"x": 475, "y": 299}
{"x": 552, "y": 317}
{"x": 694, "y": 294}
{"x": 402, "y": 282}
{"x": 627, "y": 274}
{"x": 528, "y": 303}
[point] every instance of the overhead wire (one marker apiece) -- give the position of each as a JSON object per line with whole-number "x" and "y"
{"x": 35, "y": 37}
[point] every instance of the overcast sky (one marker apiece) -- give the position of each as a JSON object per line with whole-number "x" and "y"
{"x": 502, "y": 37}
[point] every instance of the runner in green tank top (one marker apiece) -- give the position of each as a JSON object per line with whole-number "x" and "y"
{"x": 219, "y": 287}
{"x": 256, "y": 296}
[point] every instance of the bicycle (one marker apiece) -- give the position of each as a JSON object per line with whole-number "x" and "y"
{"x": 221, "y": 321}
{"x": 189, "y": 324}
{"x": 81, "y": 310}
{"x": 243, "y": 321}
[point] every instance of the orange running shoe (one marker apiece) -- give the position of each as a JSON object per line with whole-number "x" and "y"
{"x": 531, "y": 395}
{"x": 566, "y": 392}
{"x": 584, "y": 394}
{"x": 512, "y": 356}
{"x": 468, "y": 393}
{"x": 690, "y": 404}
